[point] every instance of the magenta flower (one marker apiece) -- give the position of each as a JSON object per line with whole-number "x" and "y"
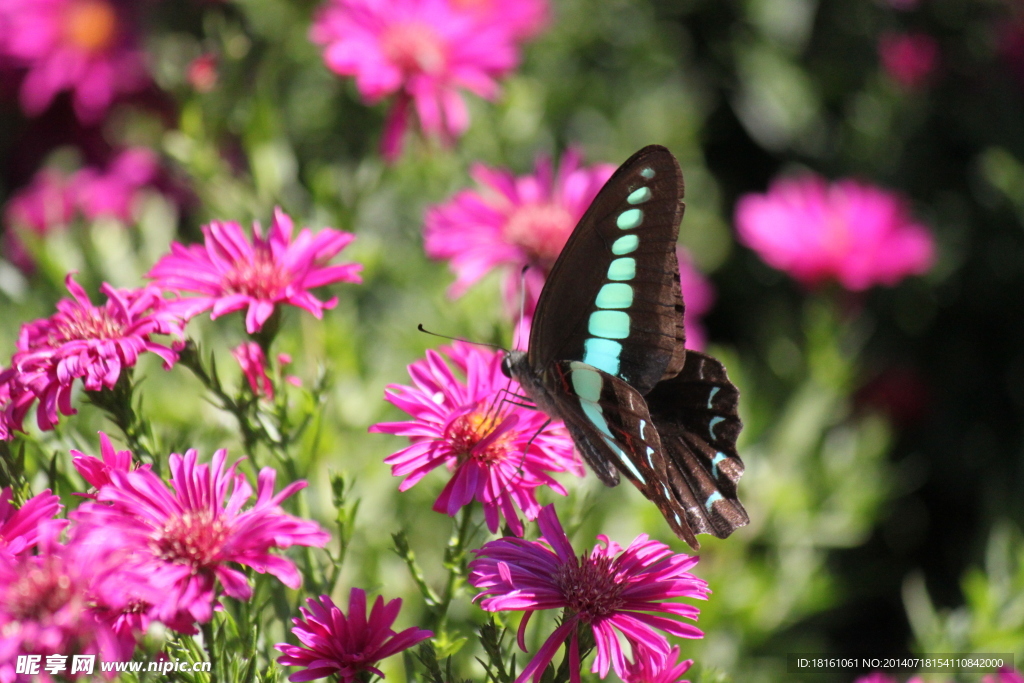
{"x": 96, "y": 471}
{"x": 910, "y": 59}
{"x": 618, "y": 594}
{"x": 512, "y": 222}
{"x": 114, "y": 192}
{"x": 699, "y": 297}
{"x": 336, "y": 645}
{"x": 83, "y": 46}
{"x": 500, "y": 452}
{"x": 644, "y": 670}
{"x": 856, "y": 233}
{"x": 876, "y": 676}
{"x": 254, "y": 366}
{"x": 91, "y": 343}
{"x": 50, "y": 601}
{"x": 186, "y": 539}
{"x": 42, "y": 207}
{"x": 22, "y": 528}
{"x": 230, "y": 273}
{"x": 523, "y": 19}
{"x": 423, "y": 52}
{"x": 1004, "y": 675}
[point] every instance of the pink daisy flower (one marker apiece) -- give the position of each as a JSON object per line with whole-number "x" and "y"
{"x": 96, "y": 471}
{"x": 187, "y": 538}
{"x": 499, "y": 452}
{"x": 849, "y": 231}
{"x": 1004, "y": 675}
{"x": 84, "y": 46}
{"x": 910, "y": 59}
{"x": 254, "y": 366}
{"x": 44, "y": 206}
{"x": 91, "y": 343}
{"x": 423, "y": 52}
{"x": 523, "y": 19}
{"x": 50, "y": 602}
{"x": 617, "y": 593}
{"x": 22, "y": 528}
{"x": 346, "y": 647}
{"x": 512, "y": 222}
{"x": 672, "y": 671}
{"x": 230, "y": 273}
{"x": 114, "y": 192}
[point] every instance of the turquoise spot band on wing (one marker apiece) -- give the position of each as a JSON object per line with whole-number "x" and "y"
{"x": 719, "y": 457}
{"x": 614, "y": 295}
{"x": 714, "y": 423}
{"x": 629, "y": 219}
{"x": 626, "y": 244}
{"x": 711, "y": 500}
{"x": 639, "y": 196}
{"x": 609, "y": 324}
{"x": 647, "y": 173}
{"x": 711, "y": 396}
{"x": 622, "y": 269}
{"x": 587, "y": 385}
{"x": 603, "y": 354}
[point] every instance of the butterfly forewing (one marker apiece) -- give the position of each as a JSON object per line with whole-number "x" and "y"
{"x": 621, "y": 260}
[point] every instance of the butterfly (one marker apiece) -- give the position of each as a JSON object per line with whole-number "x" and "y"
{"x": 607, "y": 356}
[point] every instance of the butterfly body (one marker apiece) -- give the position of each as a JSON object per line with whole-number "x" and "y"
{"x": 607, "y": 356}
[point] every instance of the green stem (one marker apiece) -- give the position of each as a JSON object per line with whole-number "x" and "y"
{"x": 118, "y": 402}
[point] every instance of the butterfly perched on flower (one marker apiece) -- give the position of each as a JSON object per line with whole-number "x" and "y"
{"x": 607, "y": 356}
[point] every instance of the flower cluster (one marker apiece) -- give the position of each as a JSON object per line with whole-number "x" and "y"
{"x": 849, "y": 231}
{"x": 423, "y": 52}
{"x": 500, "y": 452}
{"x": 87, "y": 47}
{"x": 620, "y": 595}
{"x": 52, "y": 200}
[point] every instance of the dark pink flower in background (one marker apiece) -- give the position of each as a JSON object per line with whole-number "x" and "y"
{"x": 187, "y": 538}
{"x": 1004, "y": 675}
{"x": 202, "y": 73}
{"x": 346, "y": 647}
{"x": 849, "y": 231}
{"x": 424, "y": 52}
{"x": 96, "y": 471}
{"x": 644, "y": 670}
{"x": 22, "y": 528}
{"x": 498, "y": 451}
{"x": 91, "y": 343}
{"x": 254, "y": 366}
{"x": 42, "y": 207}
{"x": 622, "y": 595}
{"x": 231, "y": 273}
{"x": 50, "y": 601}
{"x": 910, "y": 59}
{"x": 114, "y": 192}
{"x": 511, "y": 222}
{"x": 698, "y": 297}
{"x": 83, "y": 46}
{"x": 876, "y": 677}
{"x": 523, "y": 19}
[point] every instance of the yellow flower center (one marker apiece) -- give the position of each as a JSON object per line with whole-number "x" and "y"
{"x": 541, "y": 230}
{"x": 414, "y": 47}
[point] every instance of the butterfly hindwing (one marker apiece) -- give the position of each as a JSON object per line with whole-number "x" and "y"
{"x": 611, "y": 423}
{"x": 612, "y": 299}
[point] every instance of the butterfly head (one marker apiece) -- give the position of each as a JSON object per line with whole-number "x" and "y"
{"x": 511, "y": 361}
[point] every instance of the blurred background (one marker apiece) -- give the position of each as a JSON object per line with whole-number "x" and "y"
{"x": 883, "y": 427}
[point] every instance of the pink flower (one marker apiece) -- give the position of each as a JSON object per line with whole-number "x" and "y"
{"x": 422, "y": 51}
{"x": 909, "y": 58}
{"x": 1004, "y": 675}
{"x": 22, "y": 528}
{"x": 876, "y": 677}
{"x": 114, "y": 193}
{"x": 500, "y": 452}
{"x": 91, "y": 343}
{"x": 523, "y": 19}
{"x": 617, "y": 593}
{"x": 698, "y": 297}
{"x": 856, "y": 233}
{"x": 186, "y": 539}
{"x": 50, "y": 602}
{"x": 643, "y": 670}
{"x": 202, "y": 72}
{"x": 333, "y": 645}
{"x": 254, "y": 366}
{"x": 43, "y": 206}
{"x": 230, "y": 273}
{"x": 513, "y": 222}
{"x": 84, "y": 46}
{"x": 96, "y": 471}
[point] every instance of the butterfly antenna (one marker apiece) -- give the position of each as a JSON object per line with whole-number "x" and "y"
{"x": 445, "y": 336}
